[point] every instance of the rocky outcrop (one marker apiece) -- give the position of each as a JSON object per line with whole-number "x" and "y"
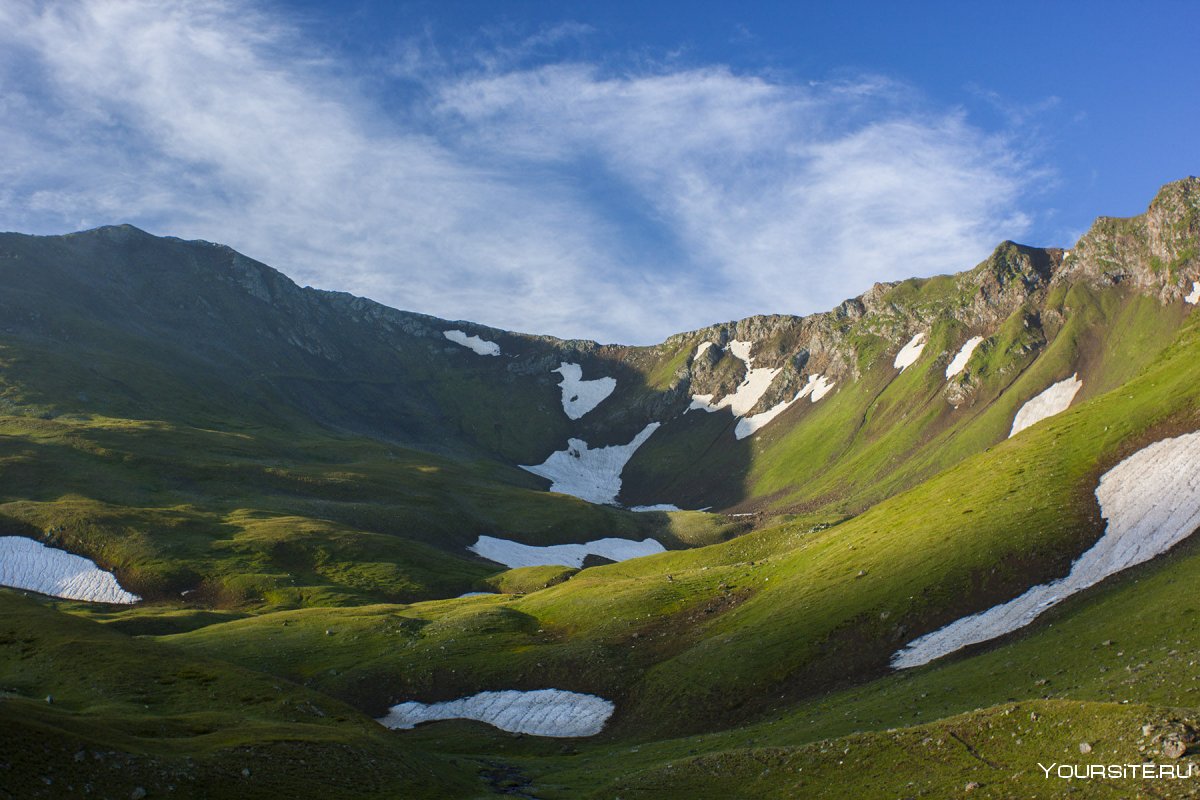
{"x": 1156, "y": 253}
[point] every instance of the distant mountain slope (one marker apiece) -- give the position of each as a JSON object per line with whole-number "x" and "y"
{"x": 794, "y": 412}
{"x": 119, "y": 322}
{"x": 1103, "y": 310}
{"x": 293, "y": 481}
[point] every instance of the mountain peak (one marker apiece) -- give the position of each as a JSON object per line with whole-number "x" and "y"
{"x": 120, "y": 232}
{"x": 1184, "y": 192}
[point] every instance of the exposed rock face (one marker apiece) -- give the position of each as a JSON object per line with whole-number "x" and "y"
{"x": 1156, "y": 252}
{"x": 825, "y": 343}
{"x": 1174, "y": 748}
{"x": 1173, "y": 736}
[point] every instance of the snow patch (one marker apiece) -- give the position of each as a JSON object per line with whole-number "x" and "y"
{"x": 751, "y": 390}
{"x": 514, "y": 554}
{"x": 29, "y": 564}
{"x": 1151, "y": 501}
{"x": 747, "y": 395}
{"x": 816, "y": 388}
{"x": 910, "y": 352}
{"x": 475, "y": 594}
{"x": 821, "y": 386}
{"x": 544, "y": 712}
{"x": 481, "y": 346}
{"x": 742, "y": 350}
{"x": 580, "y": 396}
{"x": 959, "y": 362}
{"x": 656, "y": 507}
{"x": 701, "y": 348}
{"x": 593, "y": 475}
{"x": 1194, "y": 297}
{"x": 1054, "y": 400}
{"x": 748, "y": 425}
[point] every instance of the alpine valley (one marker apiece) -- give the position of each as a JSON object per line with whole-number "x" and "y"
{"x": 267, "y": 541}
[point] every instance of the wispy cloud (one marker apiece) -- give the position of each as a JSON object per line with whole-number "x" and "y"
{"x": 561, "y": 197}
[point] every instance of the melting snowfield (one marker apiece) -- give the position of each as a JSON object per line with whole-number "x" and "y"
{"x": 514, "y": 554}
{"x": 821, "y": 386}
{"x": 909, "y": 354}
{"x": 580, "y": 396}
{"x": 748, "y": 393}
{"x": 593, "y": 475}
{"x": 29, "y": 564}
{"x": 481, "y": 346}
{"x": 656, "y": 507}
{"x": 959, "y": 363}
{"x": 544, "y": 712}
{"x": 1194, "y": 297}
{"x": 816, "y": 388}
{"x": 1151, "y": 501}
{"x": 751, "y": 390}
{"x": 1054, "y": 400}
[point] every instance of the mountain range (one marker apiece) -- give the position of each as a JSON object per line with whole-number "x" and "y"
{"x": 911, "y": 546}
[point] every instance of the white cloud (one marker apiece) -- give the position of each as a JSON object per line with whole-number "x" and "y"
{"x": 560, "y": 198}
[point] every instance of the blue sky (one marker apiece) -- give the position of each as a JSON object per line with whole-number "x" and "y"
{"x": 619, "y": 170}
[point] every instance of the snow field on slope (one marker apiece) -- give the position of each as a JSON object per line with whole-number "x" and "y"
{"x": 959, "y": 362}
{"x": 514, "y": 554}
{"x": 748, "y": 393}
{"x": 821, "y": 386}
{"x": 1194, "y": 297}
{"x": 909, "y": 354}
{"x": 481, "y": 346}
{"x": 580, "y": 396}
{"x": 29, "y": 564}
{"x": 1151, "y": 501}
{"x": 590, "y": 474}
{"x": 543, "y": 712}
{"x": 816, "y": 388}
{"x": 1054, "y": 400}
{"x": 656, "y": 507}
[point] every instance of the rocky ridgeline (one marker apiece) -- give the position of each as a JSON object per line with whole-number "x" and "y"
{"x": 1157, "y": 252}
{"x": 230, "y": 315}
{"x": 1154, "y": 253}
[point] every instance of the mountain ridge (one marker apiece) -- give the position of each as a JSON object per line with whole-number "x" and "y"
{"x": 297, "y": 485}
{"x": 315, "y": 351}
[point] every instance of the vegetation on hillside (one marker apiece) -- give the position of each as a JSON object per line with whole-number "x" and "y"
{"x": 292, "y": 479}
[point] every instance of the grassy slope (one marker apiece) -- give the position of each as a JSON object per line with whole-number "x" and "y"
{"x": 888, "y": 431}
{"x": 724, "y": 636}
{"x": 748, "y": 633}
{"x": 84, "y": 704}
{"x": 1102, "y": 650}
{"x": 774, "y": 616}
{"x": 987, "y": 754}
{"x": 1131, "y": 641}
{"x": 251, "y": 516}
